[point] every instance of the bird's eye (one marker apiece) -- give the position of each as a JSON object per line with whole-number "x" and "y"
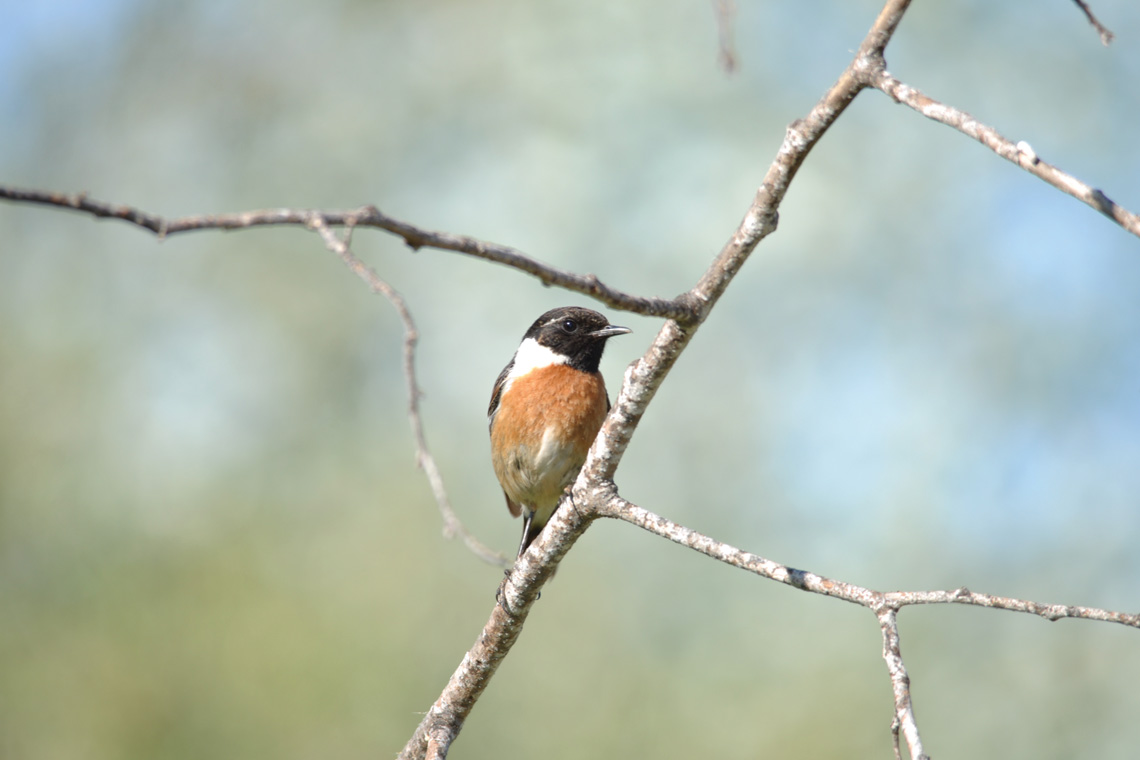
{"x": 569, "y": 325}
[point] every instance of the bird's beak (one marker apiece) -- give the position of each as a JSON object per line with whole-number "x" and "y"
{"x": 609, "y": 331}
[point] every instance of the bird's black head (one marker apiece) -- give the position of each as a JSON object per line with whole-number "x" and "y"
{"x": 576, "y": 333}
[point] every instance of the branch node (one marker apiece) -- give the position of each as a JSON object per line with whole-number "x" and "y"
{"x": 867, "y": 66}
{"x": 1102, "y": 202}
{"x": 1026, "y": 154}
{"x": 693, "y": 306}
{"x": 412, "y": 240}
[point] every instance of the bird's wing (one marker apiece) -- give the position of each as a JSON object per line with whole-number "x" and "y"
{"x": 497, "y": 393}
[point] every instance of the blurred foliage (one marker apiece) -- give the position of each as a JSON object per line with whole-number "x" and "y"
{"x": 213, "y": 537}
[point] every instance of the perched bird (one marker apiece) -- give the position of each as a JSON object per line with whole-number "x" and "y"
{"x": 547, "y": 406}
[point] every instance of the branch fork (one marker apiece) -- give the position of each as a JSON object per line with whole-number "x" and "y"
{"x": 594, "y": 493}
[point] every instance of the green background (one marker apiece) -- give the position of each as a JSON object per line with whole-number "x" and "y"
{"x": 213, "y": 537}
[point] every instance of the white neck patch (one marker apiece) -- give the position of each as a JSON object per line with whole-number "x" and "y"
{"x": 531, "y": 356}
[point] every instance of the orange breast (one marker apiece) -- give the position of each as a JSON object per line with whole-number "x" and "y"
{"x": 545, "y": 424}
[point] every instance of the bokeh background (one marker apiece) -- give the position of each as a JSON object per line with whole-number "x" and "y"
{"x": 213, "y": 538}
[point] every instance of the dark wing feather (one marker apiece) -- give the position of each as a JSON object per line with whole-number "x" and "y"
{"x": 492, "y": 410}
{"x": 497, "y": 393}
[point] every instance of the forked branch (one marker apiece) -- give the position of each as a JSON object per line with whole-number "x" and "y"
{"x": 594, "y": 494}
{"x": 452, "y": 525}
{"x": 367, "y": 216}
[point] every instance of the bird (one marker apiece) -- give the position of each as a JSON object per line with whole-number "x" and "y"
{"x": 546, "y": 409}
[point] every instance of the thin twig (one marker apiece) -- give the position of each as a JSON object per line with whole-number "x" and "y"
{"x": 367, "y": 216}
{"x": 1105, "y": 35}
{"x": 1048, "y": 611}
{"x": 452, "y": 525}
{"x": 619, "y": 508}
{"x": 900, "y": 684}
{"x": 884, "y": 605}
{"x": 1020, "y": 153}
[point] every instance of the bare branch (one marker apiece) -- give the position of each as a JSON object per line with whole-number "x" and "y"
{"x": 1020, "y": 153}
{"x": 1106, "y": 36}
{"x": 517, "y": 594}
{"x": 593, "y": 493}
{"x": 900, "y": 684}
{"x": 761, "y": 218}
{"x": 368, "y": 216}
{"x": 619, "y": 508}
{"x": 588, "y": 284}
{"x": 452, "y": 525}
{"x": 882, "y": 31}
{"x": 884, "y": 605}
{"x": 646, "y": 374}
{"x": 593, "y": 490}
{"x": 1048, "y": 611}
{"x": 436, "y": 748}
